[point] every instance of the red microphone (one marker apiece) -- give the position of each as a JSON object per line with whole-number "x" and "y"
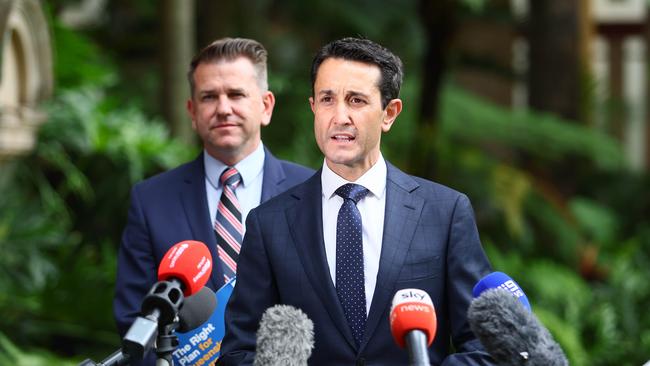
{"x": 413, "y": 323}
{"x": 183, "y": 271}
{"x": 189, "y": 262}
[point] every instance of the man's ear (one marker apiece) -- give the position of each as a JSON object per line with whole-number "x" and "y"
{"x": 268, "y": 99}
{"x": 311, "y": 104}
{"x": 189, "y": 105}
{"x": 392, "y": 110}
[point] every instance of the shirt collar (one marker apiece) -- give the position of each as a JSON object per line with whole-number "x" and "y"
{"x": 374, "y": 179}
{"x": 249, "y": 168}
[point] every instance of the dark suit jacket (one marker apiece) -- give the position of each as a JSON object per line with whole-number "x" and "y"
{"x": 430, "y": 242}
{"x": 167, "y": 209}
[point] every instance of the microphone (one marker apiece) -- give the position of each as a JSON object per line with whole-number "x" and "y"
{"x": 502, "y": 281}
{"x": 187, "y": 263}
{"x": 183, "y": 271}
{"x": 511, "y": 333}
{"x": 196, "y": 310}
{"x": 413, "y": 323}
{"x": 285, "y": 337}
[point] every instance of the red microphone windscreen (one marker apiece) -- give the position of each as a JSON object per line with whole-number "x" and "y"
{"x": 412, "y": 309}
{"x": 188, "y": 261}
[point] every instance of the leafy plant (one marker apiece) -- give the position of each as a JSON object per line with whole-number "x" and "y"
{"x": 10, "y": 354}
{"x": 64, "y": 216}
{"x": 582, "y": 256}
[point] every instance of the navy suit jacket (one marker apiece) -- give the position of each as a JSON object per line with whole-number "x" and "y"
{"x": 171, "y": 207}
{"x": 430, "y": 242}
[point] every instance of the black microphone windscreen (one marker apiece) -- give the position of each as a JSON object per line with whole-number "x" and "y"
{"x": 510, "y": 333}
{"x": 285, "y": 337}
{"x": 196, "y": 310}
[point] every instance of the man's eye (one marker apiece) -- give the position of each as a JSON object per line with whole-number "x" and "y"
{"x": 207, "y": 98}
{"x": 236, "y": 95}
{"x": 356, "y": 100}
{"x": 326, "y": 99}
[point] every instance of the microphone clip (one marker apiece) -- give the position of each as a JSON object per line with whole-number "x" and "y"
{"x": 161, "y": 307}
{"x": 167, "y": 298}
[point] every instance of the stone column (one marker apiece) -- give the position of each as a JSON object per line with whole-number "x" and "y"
{"x": 26, "y": 74}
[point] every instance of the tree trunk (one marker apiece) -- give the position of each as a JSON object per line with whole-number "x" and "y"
{"x": 554, "y": 76}
{"x": 438, "y": 23}
{"x": 214, "y": 20}
{"x": 176, "y": 50}
{"x": 557, "y": 34}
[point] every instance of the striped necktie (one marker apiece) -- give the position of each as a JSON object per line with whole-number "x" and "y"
{"x": 228, "y": 223}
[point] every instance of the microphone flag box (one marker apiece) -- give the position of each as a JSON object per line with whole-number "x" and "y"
{"x": 202, "y": 345}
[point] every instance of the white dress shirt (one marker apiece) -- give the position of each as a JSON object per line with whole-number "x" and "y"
{"x": 249, "y": 191}
{"x": 371, "y": 208}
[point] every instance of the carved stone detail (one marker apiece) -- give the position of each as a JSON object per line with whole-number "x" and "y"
{"x": 26, "y": 74}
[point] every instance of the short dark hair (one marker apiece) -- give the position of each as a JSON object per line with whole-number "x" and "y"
{"x": 366, "y": 51}
{"x": 230, "y": 49}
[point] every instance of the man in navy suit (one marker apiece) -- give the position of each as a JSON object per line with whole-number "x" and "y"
{"x": 341, "y": 256}
{"x": 229, "y": 104}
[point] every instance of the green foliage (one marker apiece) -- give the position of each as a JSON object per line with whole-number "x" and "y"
{"x": 474, "y": 5}
{"x": 10, "y": 354}
{"x": 87, "y": 123}
{"x": 547, "y": 137}
{"x": 619, "y": 322}
{"x": 77, "y": 61}
{"x": 583, "y": 259}
{"x": 63, "y": 217}
{"x": 566, "y": 335}
{"x": 596, "y": 221}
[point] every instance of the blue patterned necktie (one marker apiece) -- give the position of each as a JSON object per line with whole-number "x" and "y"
{"x": 350, "y": 285}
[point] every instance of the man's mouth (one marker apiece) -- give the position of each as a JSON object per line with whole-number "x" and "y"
{"x": 343, "y": 137}
{"x": 224, "y": 125}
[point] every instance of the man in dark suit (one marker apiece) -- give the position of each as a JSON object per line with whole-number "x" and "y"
{"x": 229, "y": 104}
{"x": 339, "y": 245}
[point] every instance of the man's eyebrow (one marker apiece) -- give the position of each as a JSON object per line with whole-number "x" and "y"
{"x": 215, "y": 91}
{"x": 353, "y": 93}
{"x": 207, "y": 91}
{"x": 237, "y": 90}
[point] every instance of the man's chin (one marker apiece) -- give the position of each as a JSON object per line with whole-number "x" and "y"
{"x": 338, "y": 159}
{"x": 342, "y": 161}
{"x": 227, "y": 143}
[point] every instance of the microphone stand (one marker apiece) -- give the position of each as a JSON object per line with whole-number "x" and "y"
{"x": 116, "y": 358}
{"x": 166, "y": 344}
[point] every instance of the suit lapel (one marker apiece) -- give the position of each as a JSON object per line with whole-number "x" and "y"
{"x": 195, "y": 205}
{"x": 306, "y": 226}
{"x": 273, "y": 176}
{"x": 403, "y": 210}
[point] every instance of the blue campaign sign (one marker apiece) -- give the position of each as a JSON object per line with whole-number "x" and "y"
{"x": 202, "y": 345}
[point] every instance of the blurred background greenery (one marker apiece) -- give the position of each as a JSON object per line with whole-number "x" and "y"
{"x": 561, "y": 206}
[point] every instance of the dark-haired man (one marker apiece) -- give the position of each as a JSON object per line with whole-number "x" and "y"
{"x": 209, "y": 198}
{"x": 339, "y": 245}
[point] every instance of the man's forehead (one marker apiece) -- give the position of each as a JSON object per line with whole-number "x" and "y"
{"x": 355, "y": 76}
{"x": 236, "y": 68}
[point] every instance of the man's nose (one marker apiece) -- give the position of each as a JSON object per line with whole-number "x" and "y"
{"x": 223, "y": 107}
{"x": 341, "y": 114}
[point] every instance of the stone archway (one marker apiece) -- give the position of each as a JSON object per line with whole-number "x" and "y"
{"x": 26, "y": 74}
